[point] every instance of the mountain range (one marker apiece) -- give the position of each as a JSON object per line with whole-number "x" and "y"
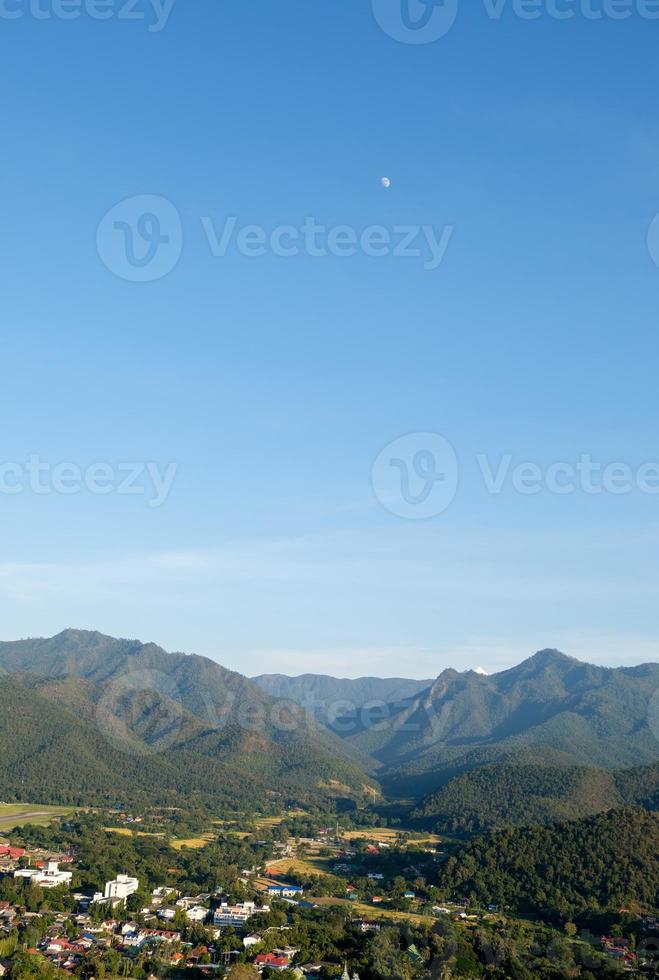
{"x": 551, "y": 710}
{"x": 86, "y": 717}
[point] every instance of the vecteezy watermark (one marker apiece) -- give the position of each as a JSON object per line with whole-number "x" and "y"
{"x": 155, "y": 13}
{"x": 140, "y": 711}
{"x": 415, "y": 21}
{"x": 416, "y": 476}
{"x": 584, "y": 475}
{"x": 143, "y": 710}
{"x": 39, "y": 476}
{"x": 425, "y": 21}
{"x": 141, "y": 239}
{"x": 341, "y": 241}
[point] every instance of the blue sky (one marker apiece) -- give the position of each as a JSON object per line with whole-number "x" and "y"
{"x": 273, "y": 383}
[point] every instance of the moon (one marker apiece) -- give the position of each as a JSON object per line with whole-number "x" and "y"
{"x": 385, "y": 181}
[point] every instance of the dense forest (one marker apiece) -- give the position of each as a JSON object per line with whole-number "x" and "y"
{"x": 594, "y": 864}
{"x": 52, "y": 755}
{"x": 493, "y": 796}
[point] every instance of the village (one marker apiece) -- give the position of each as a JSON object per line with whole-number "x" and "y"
{"x": 377, "y": 879}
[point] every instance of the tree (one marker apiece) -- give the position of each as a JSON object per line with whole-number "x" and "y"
{"x": 243, "y": 971}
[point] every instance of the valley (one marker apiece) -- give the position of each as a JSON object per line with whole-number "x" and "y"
{"x": 477, "y": 810}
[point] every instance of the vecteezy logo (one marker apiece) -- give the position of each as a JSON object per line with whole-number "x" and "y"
{"x": 415, "y": 21}
{"x": 140, "y": 239}
{"x": 416, "y": 476}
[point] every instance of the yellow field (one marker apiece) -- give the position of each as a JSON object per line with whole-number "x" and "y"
{"x": 263, "y": 822}
{"x": 17, "y": 814}
{"x": 194, "y": 842}
{"x": 309, "y": 865}
{"x": 375, "y": 912}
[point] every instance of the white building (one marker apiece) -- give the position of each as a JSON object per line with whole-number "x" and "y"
{"x": 121, "y": 887}
{"x": 197, "y": 913}
{"x": 49, "y": 877}
{"x": 236, "y": 915}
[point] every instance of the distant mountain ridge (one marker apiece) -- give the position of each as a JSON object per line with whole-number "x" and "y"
{"x": 326, "y": 695}
{"x": 552, "y": 708}
{"x": 550, "y": 704}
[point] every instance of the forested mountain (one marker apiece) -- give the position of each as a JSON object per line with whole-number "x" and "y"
{"x": 499, "y": 795}
{"x": 551, "y": 707}
{"x": 98, "y": 717}
{"x": 594, "y": 864}
{"x": 517, "y": 746}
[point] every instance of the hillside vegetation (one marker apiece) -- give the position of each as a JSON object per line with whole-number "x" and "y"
{"x": 88, "y": 719}
{"x": 497, "y": 795}
{"x": 594, "y": 864}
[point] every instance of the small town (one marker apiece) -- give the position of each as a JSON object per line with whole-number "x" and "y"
{"x": 128, "y": 927}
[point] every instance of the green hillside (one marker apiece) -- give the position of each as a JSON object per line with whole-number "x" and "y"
{"x": 594, "y": 864}
{"x": 518, "y": 794}
{"x": 63, "y": 744}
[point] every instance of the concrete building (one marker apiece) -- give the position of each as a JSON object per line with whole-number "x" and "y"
{"x": 236, "y": 915}
{"x": 48, "y": 877}
{"x": 121, "y": 887}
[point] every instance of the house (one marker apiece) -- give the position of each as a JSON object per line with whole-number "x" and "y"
{"x": 159, "y": 935}
{"x": 288, "y": 951}
{"x": 252, "y": 940}
{"x": 285, "y": 891}
{"x": 197, "y": 913}
{"x": 12, "y": 852}
{"x": 273, "y": 961}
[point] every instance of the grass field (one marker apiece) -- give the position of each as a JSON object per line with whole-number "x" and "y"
{"x": 194, "y": 842}
{"x": 375, "y": 912}
{"x": 16, "y": 814}
{"x": 308, "y": 865}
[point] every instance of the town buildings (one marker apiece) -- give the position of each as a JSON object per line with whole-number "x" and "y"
{"x": 47, "y": 877}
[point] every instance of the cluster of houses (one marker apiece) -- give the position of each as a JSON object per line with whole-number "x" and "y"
{"x": 620, "y": 949}
{"x": 72, "y": 938}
